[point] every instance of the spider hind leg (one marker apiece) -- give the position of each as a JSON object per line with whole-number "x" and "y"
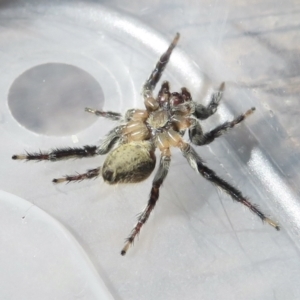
{"x": 59, "y": 154}
{"x": 92, "y": 173}
{"x": 197, "y": 164}
{"x": 154, "y": 195}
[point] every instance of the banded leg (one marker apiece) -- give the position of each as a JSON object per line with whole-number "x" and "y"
{"x": 92, "y": 173}
{"x": 199, "y": 138}
{"x": 59, "y": 154}
{"x": 106, "y": 114}
{"x": 203, "y": 112}
{"x": 159, "y": 68}
{"x": 154, "y": 195}
{"x": 197, "y": 164}
{"x": 75, "y": 152}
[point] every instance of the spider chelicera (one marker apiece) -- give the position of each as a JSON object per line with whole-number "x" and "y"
{"x": 131, "y": 145}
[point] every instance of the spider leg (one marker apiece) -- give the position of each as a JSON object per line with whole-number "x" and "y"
{"x": 75, "y": 152}
{"x": 199, "y": 138}
{"x": 203, "y": 112}
{"x": 106, "y": 114}
{"x": 197, "y": 164}
{"x": 154, "y": 195}
{"x": 110, "y": 140}
{"x": 59, "y": 154}
{"x": 92, "y": 173}
{"x": 158, "y": 70}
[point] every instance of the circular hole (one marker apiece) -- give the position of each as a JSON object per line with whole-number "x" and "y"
{"x": 50, "y": 99}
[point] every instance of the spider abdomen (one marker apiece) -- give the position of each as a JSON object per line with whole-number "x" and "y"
{"x": 132, "y": 162}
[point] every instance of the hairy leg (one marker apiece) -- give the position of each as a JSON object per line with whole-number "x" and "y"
{"x": 110, "y": 140}
{"x": 203, "y": 112}
{"x": 59, "y": 154}
{"x": 199, "y": 138}
{"x": 75, "y": 152}
{"x": 154, "y": 195}
{"x": 92, "y": 173}
{"x": 105, "y": 114}
{"x": 158, "y": 70}
{"x": 197, "y": 164}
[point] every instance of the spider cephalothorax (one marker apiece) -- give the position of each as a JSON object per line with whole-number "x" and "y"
{"x": 131, "y": 145}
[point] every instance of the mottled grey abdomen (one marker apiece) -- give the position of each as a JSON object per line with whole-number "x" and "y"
{"x": 132, "y": 162}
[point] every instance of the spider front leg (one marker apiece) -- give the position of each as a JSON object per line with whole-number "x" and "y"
{"x": 75, "y": 152}
{"x": 199, "y": 138}
{"x": 158, "y": 70}
{"x": 197, "y": 164}
{"x": 154, "y": 195}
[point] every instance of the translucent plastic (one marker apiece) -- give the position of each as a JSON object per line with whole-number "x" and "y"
{"x": 41, "y": 258}
{"x": 197, "y": 244}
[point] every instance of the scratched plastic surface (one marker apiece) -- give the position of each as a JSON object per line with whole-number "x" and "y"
{"x": 198, "y": 244}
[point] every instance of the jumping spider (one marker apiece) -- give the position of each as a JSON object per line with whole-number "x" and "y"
{"x": 131, "y": 145}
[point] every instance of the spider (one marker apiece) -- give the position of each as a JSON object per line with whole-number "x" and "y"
{"x": 131, "y": 145}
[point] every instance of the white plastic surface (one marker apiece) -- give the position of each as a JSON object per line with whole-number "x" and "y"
{"x": 40, "y": 259}
{"x": 198, "y": 244}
